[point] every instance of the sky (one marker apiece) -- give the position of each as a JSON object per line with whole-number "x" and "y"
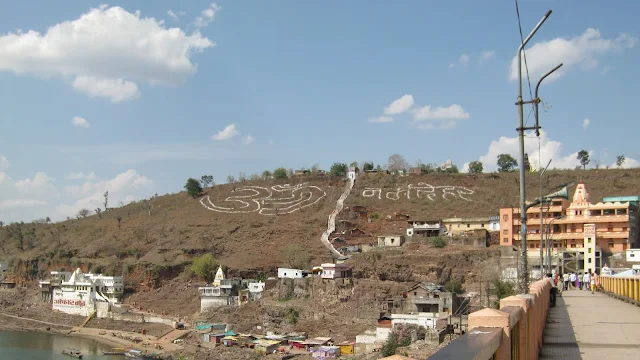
{"x": 135, "y": 97}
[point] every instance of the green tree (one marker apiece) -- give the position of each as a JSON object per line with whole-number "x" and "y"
{"x": 438, "y": 242}
{"x": 501, "y": 289}
{"x": 204, "y": 266}
{"x": 338, "y": 169}
{"x": 280, "y": 173}
{"x": 506, "y": 163}
{"x": 297, "y": 256}
{"x": 454, "y": 286}
{"x": 266, "y": 175}
{"x": 193, "y": 187}
{"x": 583, "y": 156}
{"x": 389, "y": 348}
{"x": 451, "y": 170}
{"x": 620, "y": 159}
{"x": 206, "y": 180}
{"x": 367, "y": 166}
{"x": 475, "y": 167}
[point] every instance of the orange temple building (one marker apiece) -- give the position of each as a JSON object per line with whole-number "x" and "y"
{"x": 580, "y": 232}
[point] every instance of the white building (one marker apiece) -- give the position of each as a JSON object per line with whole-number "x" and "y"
{"x": 494, "y": 223}
{"x": 286, "y": 273}
{"x": 335, "y": 271}
{"x": 426, "y": 228}
{"x": 390, "y": 240}
{"x": 427, "y": 320}
{"x": 351, "y": 174}
{"x": 633, "y": 255}
{"x": 77, "y": 293}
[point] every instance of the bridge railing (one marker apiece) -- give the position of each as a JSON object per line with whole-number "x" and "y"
{"x": 623, "y": 288}
{"x": 513, "y": 332}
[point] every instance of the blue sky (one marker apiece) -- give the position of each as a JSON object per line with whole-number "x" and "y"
{"x": 299, "y": 83}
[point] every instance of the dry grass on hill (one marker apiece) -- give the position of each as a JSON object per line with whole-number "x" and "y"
{"x": 180, "y": 227}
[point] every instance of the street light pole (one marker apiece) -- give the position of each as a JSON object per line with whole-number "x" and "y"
{"x": 541, "y": 222}
{"x": 524, "y": 274}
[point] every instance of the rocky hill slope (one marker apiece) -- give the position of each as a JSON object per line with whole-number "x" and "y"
{"x": 261, "y": 225}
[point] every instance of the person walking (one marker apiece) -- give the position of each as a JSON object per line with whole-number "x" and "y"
{"x": 594, "y": 282}
{"x": 586, "y": 280}
{"x": 579, "y": 280}
{"x": 572, "y": 280}
{"x": 565, "y": 280}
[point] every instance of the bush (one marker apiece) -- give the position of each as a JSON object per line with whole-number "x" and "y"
{"x": 438, "y": 242}
{"x": 204, "y": 266}
{"x": 389, "y": 348}
{"x": 502, "y": 289}
{"x": 292, "y": 315}
{"x": 193, "y": 187}
{"x": 280, "y": 173}
{"x": 97, "y": 269}
{"x": 454, "y": 286}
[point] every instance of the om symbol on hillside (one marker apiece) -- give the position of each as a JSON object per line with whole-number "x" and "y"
{"x": 276, "y": 200}
{"x": 422, "y": 191}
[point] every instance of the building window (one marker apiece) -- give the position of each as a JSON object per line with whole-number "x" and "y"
{"x": 624, "y": 229}
{"x": 481, "y": 225}
{"x": 468, "y": 225}
{"x": 505, "y": 231}
{"x": 589, "y": 260}
{"x": 415, "y": 293}
{"x": 504, "y": 217}
{"x": 589, "y": 240}
{"x": 589, "y": 251}
{"x": 573, "y": 245}
{"x": 505, "y": 240}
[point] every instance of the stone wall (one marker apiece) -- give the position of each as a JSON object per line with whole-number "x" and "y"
{"x": 321, "y": 290}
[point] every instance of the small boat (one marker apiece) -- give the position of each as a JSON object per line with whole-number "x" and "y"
{"x": 72, "y": 352}
{"x": 113, "y": 353}
{"x": 139, "y": 355}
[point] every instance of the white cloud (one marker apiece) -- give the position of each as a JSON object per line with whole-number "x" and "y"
{"x": 116, "y": 90}
{"x": 464, "y": 60}
{"x": 248, "y": 139}
{"x": 207, "y": 15}
{"x": 585, "y": 123}
{"x": 40, "y": 183}
{"x": 628, "y": 163}
{"x": 550, "y": 149}
{"x": 381, "y": 119}
{"x": 453, "y": 112}
{"x": 81, "y": 176}
{"x": 90, "y": 194}
{"x": 4, "y": 163}
{"x": 226, "y": 133}
{"x": 173, "y": 15}
{"x": 580, "y": 50}
{"x": 452, "y": 65}
{"x": 487, "y": 55}
{"x": 400, "y": 105}
{"x": 606, "y": 69}
{"x": 19, "y": 203}
{"x": 108, "y": 48}
{"x": 80, "y": 122}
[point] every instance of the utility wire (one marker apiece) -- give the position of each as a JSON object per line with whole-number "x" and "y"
{"x": 524, "y": 54}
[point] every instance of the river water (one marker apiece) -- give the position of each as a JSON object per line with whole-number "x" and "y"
{"x": 16, "y": 345}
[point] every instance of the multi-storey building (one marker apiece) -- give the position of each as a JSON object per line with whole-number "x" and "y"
{"x": 77, "y": 292}
{"x": 579, "y": 227}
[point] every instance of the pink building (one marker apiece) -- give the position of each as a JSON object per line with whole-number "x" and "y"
{"x": 335, "y": 271}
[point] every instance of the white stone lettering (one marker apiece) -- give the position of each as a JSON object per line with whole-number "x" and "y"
{"x": 276, "y": 200}
{"x": 422, "y": 191}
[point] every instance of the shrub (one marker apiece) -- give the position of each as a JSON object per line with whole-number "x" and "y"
{"x": 502, "y": 289}
{"x": 438, "y": 242}
{"x": 292, "y": 316}
{"x": 193, "y": 187}
{"x": 454, "y": 286}
{"x": 389, "y": 348}
{"x": 204, "y": 266}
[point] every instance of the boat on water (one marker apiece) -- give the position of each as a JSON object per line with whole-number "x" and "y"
{"x": 139, "y": 355}
{"x": 72, "y": 352}
{"x": 114, "y": 351}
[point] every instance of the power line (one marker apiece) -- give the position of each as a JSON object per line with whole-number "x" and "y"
{"x": 524, "y": 54}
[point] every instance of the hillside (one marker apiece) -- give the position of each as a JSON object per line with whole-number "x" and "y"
{"x": 252, "y": 232}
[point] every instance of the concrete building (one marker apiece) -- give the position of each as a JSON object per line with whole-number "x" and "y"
{"x": 77, "y": 293}
{"x": 494, "y": 223}
{"x": 226, "y": 294}
{"x": 457, "y": 226}
{"x": 426, "y": 320}
{"x": 351, "y": 174}
{"x": 286, "y": 273}
{"x": 335, "y": 271}
{"x": 425, "y": 228}
{"x": 579, "y": 231}
{"x": 390, "y": 240}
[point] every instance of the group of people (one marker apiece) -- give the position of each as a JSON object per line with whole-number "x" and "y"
{"x": 587, "y": 281}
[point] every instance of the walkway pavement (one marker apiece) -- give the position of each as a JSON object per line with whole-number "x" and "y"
{"x": 591, "y": 326}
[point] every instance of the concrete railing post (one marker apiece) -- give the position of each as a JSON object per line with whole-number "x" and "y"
{"x": 494, "y": 318}
{"x": 524, "y": 326}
